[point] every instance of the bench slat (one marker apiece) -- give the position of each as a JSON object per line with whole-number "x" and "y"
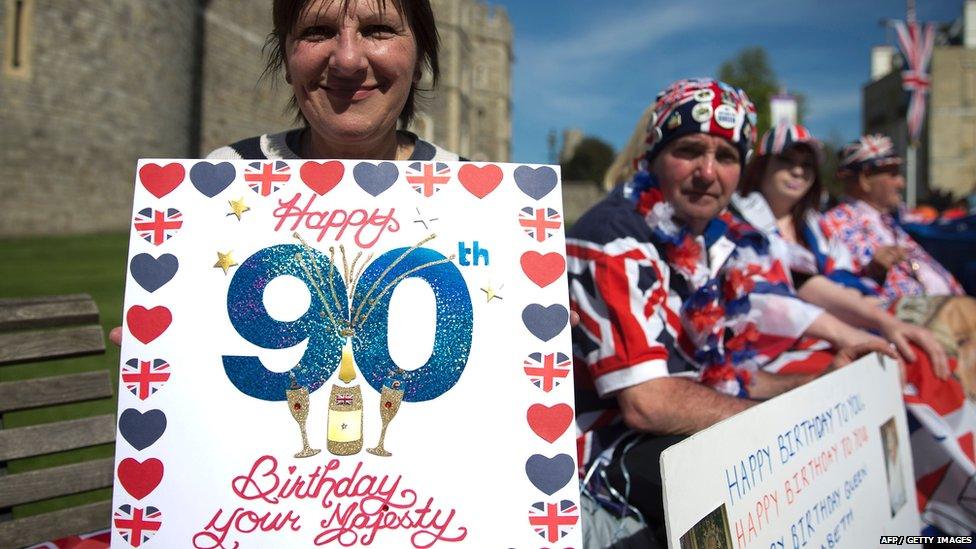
{"x": 17, "y": 301}
{"x": 51, "y": 344}
{"x": 55, "y": 481}
{"x": 55, "y": 525}
{"x": 56, "y": 437}
{"x": 46, "y": 391}
{"x": 48, "y": 314}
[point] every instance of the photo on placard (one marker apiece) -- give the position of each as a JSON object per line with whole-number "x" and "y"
{"x": 711, "y": 532}
{"x": 893, "y": 468}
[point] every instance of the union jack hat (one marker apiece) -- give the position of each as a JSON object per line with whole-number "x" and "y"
{"x": 869, "y": 151}
{"x": 702, "y": 105}
{"x": 782, "y": 137}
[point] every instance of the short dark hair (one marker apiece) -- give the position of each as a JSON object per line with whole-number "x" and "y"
{"x": 417, "y": 13}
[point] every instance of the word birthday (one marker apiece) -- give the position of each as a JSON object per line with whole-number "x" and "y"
{"x": 368, "y": 226}
{"x": 357, "y": 507}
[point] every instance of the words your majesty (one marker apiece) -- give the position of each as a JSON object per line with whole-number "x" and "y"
{"x": 356, "y": 506}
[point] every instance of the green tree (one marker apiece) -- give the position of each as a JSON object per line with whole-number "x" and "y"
{"x": 751, "y": 71}
{"x": 589, "y": 162}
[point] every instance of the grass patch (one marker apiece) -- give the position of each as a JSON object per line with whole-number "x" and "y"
{"x": 91, "y": 264}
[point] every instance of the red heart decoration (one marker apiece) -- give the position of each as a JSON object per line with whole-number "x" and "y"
{"x": 549, "y": 422}
{"x": 321, "y": 177}
{"x": 140, "y": 478}
{"x": 148, "y": 324}
{"x": 161, "y": 180}
{"x": 480, "y": 181}
{"x": 543, "y": 269}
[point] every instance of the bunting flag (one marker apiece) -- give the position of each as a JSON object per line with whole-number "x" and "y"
{"x": 916, "y": 42}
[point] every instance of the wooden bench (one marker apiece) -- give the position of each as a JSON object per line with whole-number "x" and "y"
{"x": 43, "y": 329}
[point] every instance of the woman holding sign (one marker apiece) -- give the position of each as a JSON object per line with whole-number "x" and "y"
{"x": 354, "y": 67}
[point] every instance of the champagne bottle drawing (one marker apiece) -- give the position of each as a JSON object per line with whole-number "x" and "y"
{"x": 345, "y": 423}
{"x": 345, "y": 434}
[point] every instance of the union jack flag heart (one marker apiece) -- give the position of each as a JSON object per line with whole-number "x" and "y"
{"x": 143, "y": 378}
{"x": 553, "y": 521}
{"x": 265, "y": 178}
{"x": 428, "y": 178}
{"x": 546, "y": 371}
{"x": 136, "y": 524}
{"x": 155, "y": 226}
{"x": 540, "y": 223}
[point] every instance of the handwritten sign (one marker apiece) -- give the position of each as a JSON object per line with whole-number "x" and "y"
{"x": 825, "y": 465}
{"x": 345, "y": 354}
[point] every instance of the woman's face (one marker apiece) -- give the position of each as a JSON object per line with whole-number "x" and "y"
{"x": 789, "y": 175}
{"x": 351, "y": 71}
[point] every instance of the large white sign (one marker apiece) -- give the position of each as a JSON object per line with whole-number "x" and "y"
{"x": 825, "y": 465}
{"x": 346, "y": 354}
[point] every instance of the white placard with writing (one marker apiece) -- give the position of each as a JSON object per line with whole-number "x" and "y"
{"x": 346, "y": 354}
{"x": 825, "y": 465}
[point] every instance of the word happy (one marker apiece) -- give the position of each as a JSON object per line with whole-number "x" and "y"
{"x": 356, "y": 507}
{"x": 367, "y": 226}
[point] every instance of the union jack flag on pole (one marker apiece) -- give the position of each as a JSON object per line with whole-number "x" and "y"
{"x": 916, "y": 43}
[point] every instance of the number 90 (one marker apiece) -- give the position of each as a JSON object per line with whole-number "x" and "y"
{"x": 371, "y": 300}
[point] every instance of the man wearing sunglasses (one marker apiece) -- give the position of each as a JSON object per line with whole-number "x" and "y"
{"x": 867, "y": 222}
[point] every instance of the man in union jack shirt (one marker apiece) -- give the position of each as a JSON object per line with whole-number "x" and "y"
{"x": 680, "y": 304}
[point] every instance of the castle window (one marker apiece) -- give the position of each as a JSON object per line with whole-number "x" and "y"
{"x": 16, "y": 59}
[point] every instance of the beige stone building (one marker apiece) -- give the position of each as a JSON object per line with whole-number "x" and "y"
{"x": 88, "y": 87}
{"x": 470, "y": 112}
{"x": 946, "y": 162}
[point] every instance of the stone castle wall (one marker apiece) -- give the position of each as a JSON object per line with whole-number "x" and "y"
{"x": 101, "y": 84}
{"x": 104, "y": 84}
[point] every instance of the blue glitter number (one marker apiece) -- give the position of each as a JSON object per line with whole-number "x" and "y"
{"x": 245, "y": 307}
{"x": 452, "y": 338}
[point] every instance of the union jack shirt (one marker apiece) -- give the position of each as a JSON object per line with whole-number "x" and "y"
{"x": 712, "y": 309}
{"x": 821, "y": 252}
{"x": 863, "y": 229}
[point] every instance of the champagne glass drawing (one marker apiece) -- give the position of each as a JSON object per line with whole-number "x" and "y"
{"x": 298, "y": 404}
{"x": 391, "y": 395}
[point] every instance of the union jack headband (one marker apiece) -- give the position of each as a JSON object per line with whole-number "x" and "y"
{"x": 702, "y": 105}
{"x": 869, "y": 151}
{"x": 784, "y": 136}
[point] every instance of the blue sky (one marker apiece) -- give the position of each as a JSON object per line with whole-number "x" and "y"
{"x": 597, "y": 65}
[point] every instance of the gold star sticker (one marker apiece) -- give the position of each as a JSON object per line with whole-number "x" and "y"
{"x": 238, "y": 207}
{"x": 225, "y": 261}
{"x": 491, "y": 293}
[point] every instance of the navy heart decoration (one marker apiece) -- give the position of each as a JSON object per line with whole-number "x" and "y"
{"x": 550, "y": 474}
{"x": 545, "y": 323}
{"x": 375, "y": 178}
{"x": 211, "y": 179}
{"x": 142, "y": 430}
{"x": 151, "y": 272}
{"x": 535, "y": 182}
